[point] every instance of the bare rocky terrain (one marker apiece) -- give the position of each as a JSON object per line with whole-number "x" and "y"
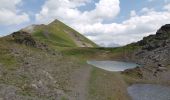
{"x": 154, "y": 56}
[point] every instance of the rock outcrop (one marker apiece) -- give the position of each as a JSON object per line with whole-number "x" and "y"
{"x": 22, "y": 37}
{"x": 25, "y": 38}
{"x": 154, "y": 55}
{"x": 155, "y": 49}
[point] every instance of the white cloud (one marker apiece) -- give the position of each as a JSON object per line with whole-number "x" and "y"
{"x": 167, "y": 7}
{"x": 128, "y": 31}
{"x": 9, "y": 4}
{"x": 105, "y": 9}
{"x": 133, "y": 13}
{"x": 9, "y": 14}
{"x": 147, "y": 10}
{"x": 67, "y": 11}
{"x": 90, "y": 23}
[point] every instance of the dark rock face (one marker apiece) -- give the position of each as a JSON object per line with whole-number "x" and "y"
{"x": 24, "y": 38}
{"x": 154, "y": 53}
{"x": 155, "y": 49}
{"x": 161, "y": 39}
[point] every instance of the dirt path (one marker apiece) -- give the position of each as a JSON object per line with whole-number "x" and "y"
{"x": 80, "y": 81}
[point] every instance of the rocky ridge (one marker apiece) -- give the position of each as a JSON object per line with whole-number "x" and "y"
{"x": 154, "y": 56}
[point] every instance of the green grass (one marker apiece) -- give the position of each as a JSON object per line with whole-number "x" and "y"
{"x": 98, "y": 52}
{"x": 55, "y": 34}
{"x": 6, "y": 58}
{"x": 104, "y": 85}
{"x": 64, "y": 98}
{"x": 54, "y": 39}
{"x": 63, "y": 26}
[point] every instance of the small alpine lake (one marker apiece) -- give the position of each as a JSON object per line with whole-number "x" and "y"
{"x": 113, "y": 65}
{"x": 149, "y": 92}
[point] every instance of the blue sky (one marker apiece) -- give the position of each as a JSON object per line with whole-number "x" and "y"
{"x": 104, "y": 21}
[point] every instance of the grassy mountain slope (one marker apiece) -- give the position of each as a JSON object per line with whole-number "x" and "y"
{"x": 31, "y": 70}
{"x": 59, "y": 34}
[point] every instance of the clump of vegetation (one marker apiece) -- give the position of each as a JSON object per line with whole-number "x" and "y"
{"x": 136, "y": 72}
{"x": 24, "y": 38}
{"x": 105, "y": 85}
{"x": 7, "y": 60}
{"x": 64, "y": 98}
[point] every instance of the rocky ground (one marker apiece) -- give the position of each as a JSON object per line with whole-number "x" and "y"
{"x": 154, "y": 56}
{"x": 38, "y": 73}
{"x": 33, "y": 70}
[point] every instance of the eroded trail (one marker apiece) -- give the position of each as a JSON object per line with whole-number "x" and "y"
{"x": 80, "y": 80}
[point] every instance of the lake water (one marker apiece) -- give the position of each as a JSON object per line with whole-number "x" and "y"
{"x": 112, "y": 65}
{"x": 149, "y": 92}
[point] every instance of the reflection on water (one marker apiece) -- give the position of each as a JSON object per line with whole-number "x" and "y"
{"x": 112, "y": 65}
{"x": 149, "y": 92}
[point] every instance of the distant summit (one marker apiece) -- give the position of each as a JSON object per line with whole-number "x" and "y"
{"x": 58, "y": 34}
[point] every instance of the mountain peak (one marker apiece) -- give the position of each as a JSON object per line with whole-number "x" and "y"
{"x": 56, "y": 21}
{"x": 59, "y": 34}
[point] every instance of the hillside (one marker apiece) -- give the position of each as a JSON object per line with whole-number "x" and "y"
{"x": 157, "y": 46}
{"x": 153, "y": 54}
{"x": 34, "y": 67}
{"x": 58, "y": 34}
